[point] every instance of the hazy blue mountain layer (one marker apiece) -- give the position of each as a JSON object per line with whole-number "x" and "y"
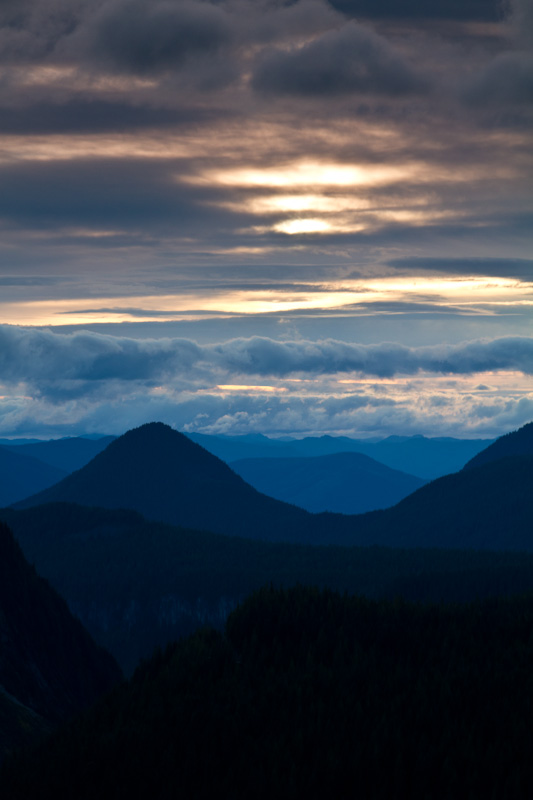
{"x": 66, "y": 454}
{"x": 415, "y": 455}
{"x": 166, "y": 477}
{"x": 49, "y": 665}
{"x": 346, "y": 483}
{"x": 22, "y": 475}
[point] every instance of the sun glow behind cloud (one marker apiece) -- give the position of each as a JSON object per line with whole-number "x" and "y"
{"x": 474, "y": 295}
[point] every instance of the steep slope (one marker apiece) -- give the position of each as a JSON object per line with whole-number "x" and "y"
{"x": 516, "y": 443}
{"x": 66, "y": 454}
{"x": 21, "y": 475}
{"x": 49, "y": 665}
{"x": 165, "y": 476}
{"x": 487, "y": 507}
{"x": 346, "y": 483}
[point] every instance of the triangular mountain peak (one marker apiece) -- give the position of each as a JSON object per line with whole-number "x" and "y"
{"x": 165, "y": 476}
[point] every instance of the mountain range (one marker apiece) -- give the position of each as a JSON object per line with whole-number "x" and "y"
{"x": 346, "y": 483}
{"x": 374, "y": 488}
{"x": 102, "y": 536}
{"x": 22, "y": 475}
{"x": 426, "y": 458}
{"x": 67, "y": 454}
{"x": 166, "y": 477}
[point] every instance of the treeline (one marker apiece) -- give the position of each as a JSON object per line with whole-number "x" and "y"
{"x": 312, "y": 694}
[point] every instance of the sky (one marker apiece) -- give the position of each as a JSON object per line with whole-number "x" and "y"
{"x": 290, "y": 217}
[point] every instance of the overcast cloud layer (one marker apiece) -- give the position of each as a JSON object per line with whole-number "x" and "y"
{"x": 272, "y": 195}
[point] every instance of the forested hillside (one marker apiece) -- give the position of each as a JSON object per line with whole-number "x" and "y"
{"x": 136, "y": 584}
{"x": 310, "y": 694}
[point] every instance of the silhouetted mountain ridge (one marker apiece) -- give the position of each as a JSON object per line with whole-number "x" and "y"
{"x": 516, "y": 443}
{"x": 66, "y": 454}
{"x": 22, "y": 475}
{"x": 427, "y": 458}
{"x": 165, "y": 476}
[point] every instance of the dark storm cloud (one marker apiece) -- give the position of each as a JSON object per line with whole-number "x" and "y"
{"x": 133, "y": 194}
{"x": 146, "y": 38}
{"x": 127, "y": 35}
{"x": 91, "y": 192}
{"x": 32, "y": 356}
{"x": 31, "y": 29}
{"x": 37, "y": 355}
{"x": 507, "y": 80}
{"x": 267, "y": 357}
{"x": 520, "y": 268}
{"x": 29, "y": 280}
{"x": 352, "y": 59}
{"x": 99, "y": 116}
{"x": 421, "y": 9}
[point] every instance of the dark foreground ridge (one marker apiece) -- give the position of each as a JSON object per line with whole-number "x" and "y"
{"x": 49, "y": 665}
{"x": 312, "y": 695}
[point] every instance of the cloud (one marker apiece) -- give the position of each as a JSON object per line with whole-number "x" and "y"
{"x": 259, "y": 356}
{"x": 421, "y": 9}
{"x": 92, "y": 115}
{"x": 58, "y": 384}
{"x": 30, "y": 29}
{"x": 507, "y": 80}
{"x": 35, "y": 356}
{"x": 133, "y": 194}
{"x": 352, "y": 59}
{"x": 150, "y": 38}
{"x": 522, "y": 21}
{"x": 41, "y": 358}
{"x": 521, "y": 268}
{"x": 353, "y": 415}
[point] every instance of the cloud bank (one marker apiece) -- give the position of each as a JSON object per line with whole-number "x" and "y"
{"x": 35, "y": 356}
{"x": 58, "y": 384}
